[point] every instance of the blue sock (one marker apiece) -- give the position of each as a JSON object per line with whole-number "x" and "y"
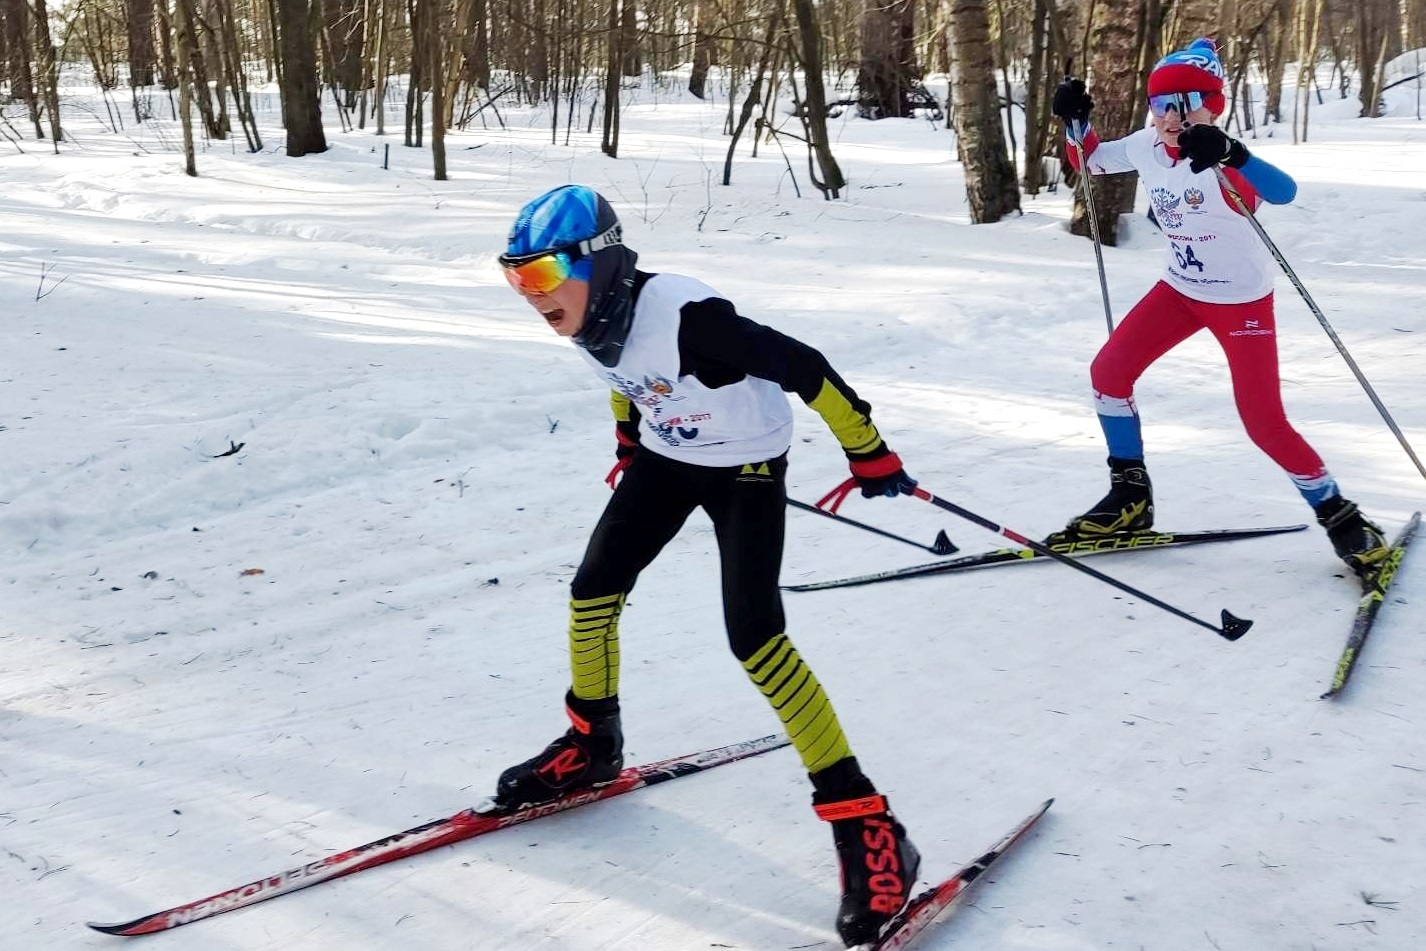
{"x": 1316, "y": 489}
{"x": 1119, "y": 419}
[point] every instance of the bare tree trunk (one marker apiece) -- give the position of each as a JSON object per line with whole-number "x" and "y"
{"x": 1114, "y": 77}
{"x": 383, "y": 17}
{"x": 476, "y": 66}
{"x": 1037, "y": 113}
{"x": 774, "y": 25}
{"x": 436, "y": 50}
{"x": 888, "y": 66}
{"x": 1274, "y": 60}
{"x": 1373, "y": 38}
{"x": 610, "y": 143}
{"x": 703, "y": 50}
{"x": 347, "y": 34}
{"x": 182, "y": 41}
{"x": 189, "y": 24}
{"x": 47, "y": 72}
{"x": 633, "y": 61}
{"x": 15, "y": 18}
{"x": 991, "y": 188}
{"x": 1309, "y": 26}
{"x": 301, "y": 92}
{"x": 139, "y": 23}
{"x": 1191, "y": 19}
{"x": 809, "y": 51}
{"x": 231, "y": 58}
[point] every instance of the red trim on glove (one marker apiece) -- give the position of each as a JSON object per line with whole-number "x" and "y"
{"x": 623, "y": 439}
{"x": 876, "y": 468}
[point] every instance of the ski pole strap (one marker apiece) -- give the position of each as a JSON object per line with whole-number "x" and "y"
{"x": 851, "y": 808}
{"x": 837, "y": 496}
{"x": 620, "y": 465}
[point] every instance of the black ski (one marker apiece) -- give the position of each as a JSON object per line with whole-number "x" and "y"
{"x": 1132, "y": 541}
{"x": 466, "y": 824}
{"x": 927, "y": 906}
{"x": 1367, "y": 608}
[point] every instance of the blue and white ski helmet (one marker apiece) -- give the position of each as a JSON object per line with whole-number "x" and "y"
{"x": 577, "y": 219}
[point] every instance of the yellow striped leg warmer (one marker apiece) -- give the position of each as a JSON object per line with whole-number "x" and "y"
{"x": 789, "y": 685}
{"x": 594, "y": 646}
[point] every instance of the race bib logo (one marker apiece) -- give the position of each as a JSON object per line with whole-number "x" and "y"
{"x": 1194, "y": 198}
{"x": 648, "y": 394}
{"x": 1166, "y": 207}
{"x": 661, "y": 386}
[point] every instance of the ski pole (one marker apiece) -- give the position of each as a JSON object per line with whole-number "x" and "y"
{"x": 1317, "y": 312}
{"x": 942, "y": 545}
{"x": 1075, "y": 137}
{"x": 1077, "y": 132}
{"x": 1232, "y": 629}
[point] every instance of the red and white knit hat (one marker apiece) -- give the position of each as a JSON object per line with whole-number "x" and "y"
{"x": 1195, "y": 68}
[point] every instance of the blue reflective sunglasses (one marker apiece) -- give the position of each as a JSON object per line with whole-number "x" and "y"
{"x": 1181, "y": 102}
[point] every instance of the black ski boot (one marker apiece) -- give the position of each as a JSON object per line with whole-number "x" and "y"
{"x": 589, "y": 754}
{"x": 1129, "y": 506}
{"x": 878, "y": 862}
{"x": 1356, "y": 541}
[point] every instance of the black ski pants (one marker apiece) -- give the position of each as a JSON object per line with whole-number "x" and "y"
{"x": 748, "y": 507}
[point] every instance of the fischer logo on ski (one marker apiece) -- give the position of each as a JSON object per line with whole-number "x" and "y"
{"x": 1369, "y": 606}
{"x": 1078, "y": 548}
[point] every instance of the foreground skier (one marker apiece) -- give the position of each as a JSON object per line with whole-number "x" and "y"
{"x": 1217, "y": 274}
{"x": 701, "y": 420}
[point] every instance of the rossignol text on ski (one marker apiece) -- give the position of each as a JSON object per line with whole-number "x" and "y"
{"x": 902, "y": 930}
{"x": 466, "y": 824}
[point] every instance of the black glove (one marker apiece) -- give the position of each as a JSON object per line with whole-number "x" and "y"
{"x": 881, "y": 475}
{"x": 1207, "y": 145}
{"x": 1071, "y": 102}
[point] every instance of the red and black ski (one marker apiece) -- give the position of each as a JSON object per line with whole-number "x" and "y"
{"x": 466, "y": 824}
{"x": 928, "y": 906}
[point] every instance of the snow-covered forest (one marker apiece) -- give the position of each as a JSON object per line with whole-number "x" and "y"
{"x": 292, "y": 487}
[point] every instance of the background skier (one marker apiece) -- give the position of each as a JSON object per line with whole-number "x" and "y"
{"x": 1218, "y": 275}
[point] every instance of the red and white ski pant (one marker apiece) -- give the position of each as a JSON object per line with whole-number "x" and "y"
{"x": 1163, "y": 319}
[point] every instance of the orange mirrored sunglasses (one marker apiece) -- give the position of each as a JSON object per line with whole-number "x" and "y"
{"x": 537, "y": 273}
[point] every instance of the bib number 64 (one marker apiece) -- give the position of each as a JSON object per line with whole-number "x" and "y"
{"x": 1184, "y": 255}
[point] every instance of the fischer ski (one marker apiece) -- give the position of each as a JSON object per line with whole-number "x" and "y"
{"x": 466, "y": 824}
{"x": 1084, "y": 547}
{"x": 1367, "y": 608}
{"x": 928, "y": 906}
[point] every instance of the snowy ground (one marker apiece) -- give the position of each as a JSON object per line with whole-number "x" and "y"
{"x": 220, "y": 666}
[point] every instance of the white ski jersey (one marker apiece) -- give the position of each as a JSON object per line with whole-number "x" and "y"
{"x": 680, "y": 417}
{"x": 1213, "y": 254}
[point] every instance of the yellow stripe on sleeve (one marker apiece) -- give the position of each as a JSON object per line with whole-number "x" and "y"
{"x": 853, "y": 429}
